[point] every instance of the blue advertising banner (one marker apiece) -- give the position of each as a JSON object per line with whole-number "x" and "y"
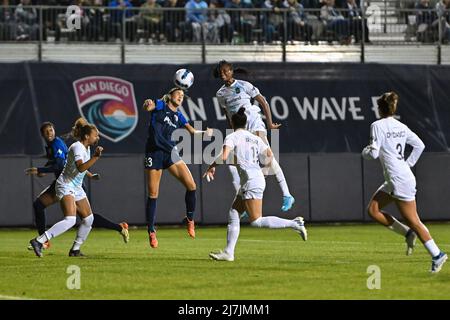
{"x": 322, "y": 107}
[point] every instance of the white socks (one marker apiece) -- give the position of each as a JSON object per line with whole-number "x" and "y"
{"x": 83, "y": 231}
{"x": 235, "y": 176}
{"x": 232, "y": 231}
{"x": 280, "y": 177}
{"x": 273, "y": 223}
{"x": 398, "y": 227}
{"x": 57, "y": 229}
{"x": 432, "y": 248}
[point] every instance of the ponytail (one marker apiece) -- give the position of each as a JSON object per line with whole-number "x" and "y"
{"x": 82, "y": 128}
{"x": 239, "y": 119}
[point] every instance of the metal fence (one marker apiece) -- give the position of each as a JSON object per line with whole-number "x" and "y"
{"x": 218, "y": 26}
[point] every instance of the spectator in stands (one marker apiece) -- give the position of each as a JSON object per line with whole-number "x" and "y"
{"x": 353, "y": 14}
{"x": 150, "y": 20}
{"x": 95, "y": 27}
{"x": 298, "y": 26}
{"x": 196, "y": 17}
{"x": 426, "y": 21}
{"x": 312, "y": 12}
{"x": 335, "y": 22}
{"x": 27, "y": 21}
{"x": 273, "y": 21}
{"x": 443, "y": 13}
{"x": 118, "y": 15}
{"x": 174, "y": 21}
{"x": 221, "y": 30}
{"x": 243, "y": 22}
{"x": 7, "y": 23}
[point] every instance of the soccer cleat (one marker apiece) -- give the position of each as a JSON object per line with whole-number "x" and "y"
{"x": 37, "y": 247}
{"x": 45, "y": 246}
{"x": 76, "y": 253}
{"x": 221, "y": 256}
{"x": 125, "y": 234}
{"x": 410, "y": 239}
{"x": 288, "y": 201}
{"x": 301, "y": 228}
{"x": 153, "y": 240}
{"x": 190, "y": 227}
{"x": 437, "y": 262}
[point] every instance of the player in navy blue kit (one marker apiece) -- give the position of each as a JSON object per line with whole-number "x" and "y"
{"x": 161, "y": 153}
{"x": 56, "y": 153}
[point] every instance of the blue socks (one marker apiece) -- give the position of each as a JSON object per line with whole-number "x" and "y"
{"x": 151, "y": 214}
{"x": 39, "y": 214}
{"x": 189, "y": 198}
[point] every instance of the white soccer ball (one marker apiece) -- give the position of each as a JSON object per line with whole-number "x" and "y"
{"x": 183, "y": 79}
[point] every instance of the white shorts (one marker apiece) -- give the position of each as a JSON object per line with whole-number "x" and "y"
{"x": 255, "y": 123}
{"x": 253, "y": 188}
{"x": 65, "y": 190}
{"x": 401, "y": 190}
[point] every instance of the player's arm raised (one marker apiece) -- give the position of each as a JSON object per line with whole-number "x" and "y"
{"x": 222, "y": 158}
{"x": 192, "y": 130}
{"x": 85, "y": 166}
{"x": 266, "y": 109}
{"x": 149, "y": 105}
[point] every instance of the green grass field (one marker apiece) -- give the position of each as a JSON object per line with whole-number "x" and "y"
{"x": 270, "y": 264}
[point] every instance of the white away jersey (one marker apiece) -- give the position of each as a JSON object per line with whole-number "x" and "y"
{"x": 70, "y": 175}
{"x": 237, "y": 95}
{"x": 388, "y": 137}
{"x": 247, "y": 149}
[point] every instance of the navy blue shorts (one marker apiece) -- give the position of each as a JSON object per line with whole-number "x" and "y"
{"x": 160, "y": 159}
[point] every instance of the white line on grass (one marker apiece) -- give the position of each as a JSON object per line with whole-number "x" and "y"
{"x": 320, "y": 241}
{"x": 3, "y": 297}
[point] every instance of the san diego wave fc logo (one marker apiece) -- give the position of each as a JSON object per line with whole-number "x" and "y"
{"x": 109, "y": 103}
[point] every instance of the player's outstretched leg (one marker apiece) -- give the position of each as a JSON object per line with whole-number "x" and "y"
{"x": 288, "y": 199}
{"x": 272, "y": 222}
{"x": 57, "y": 229}
{"x": 102, "y": 222}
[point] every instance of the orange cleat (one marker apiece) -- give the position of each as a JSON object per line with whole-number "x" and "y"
{"x": 190, "y": 228}
{"x": 153, "y": 240}
{"x": 125, "y": 234}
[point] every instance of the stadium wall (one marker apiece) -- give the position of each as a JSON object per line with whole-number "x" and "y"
{"x": 327, "y": 187}
{"x": 323, "y": 107}
{"x": 325, "y": 111}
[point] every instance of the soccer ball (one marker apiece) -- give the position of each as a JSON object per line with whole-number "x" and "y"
{"x": 183, "y": 79}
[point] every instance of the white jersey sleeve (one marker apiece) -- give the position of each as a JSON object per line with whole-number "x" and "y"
{"x": 372, "y": 151}
{"x": 250, "y": 89}
{"x": 418, "y": 146}
{"x": 230, "y": 141}
{"x": 78, "y": 151}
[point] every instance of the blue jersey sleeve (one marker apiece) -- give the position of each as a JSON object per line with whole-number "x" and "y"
{"x": 181, "y": 119}
{"x": 159, "y": 105}
{"x": 59, "y": 149}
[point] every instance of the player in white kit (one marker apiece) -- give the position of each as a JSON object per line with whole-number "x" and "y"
{"x": 235, "y": 94}
{"x": 69, "y": 190}
{"x": 388, "y": 137}
{"x": 248, "y": 149}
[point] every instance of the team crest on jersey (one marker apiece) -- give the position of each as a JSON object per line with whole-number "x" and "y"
{"x": 109, "y": 103}
{"x": 238, "y": 90}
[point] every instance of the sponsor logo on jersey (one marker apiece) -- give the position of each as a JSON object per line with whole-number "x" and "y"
{"x": 109, "y": 103}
